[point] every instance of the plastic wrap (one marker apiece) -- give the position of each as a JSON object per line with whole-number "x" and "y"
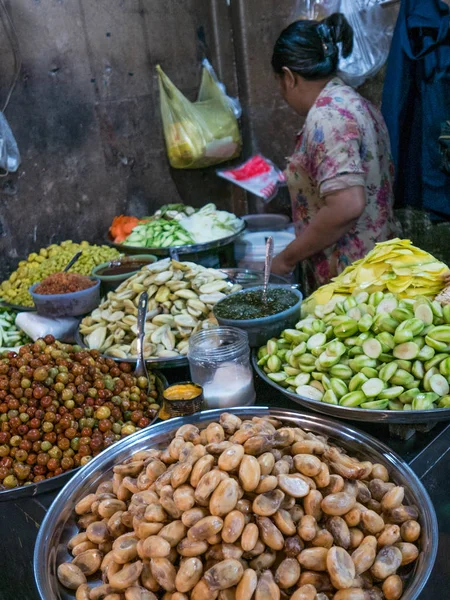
{"x": 202, "y": 133}
{"x": 373, "y": 27}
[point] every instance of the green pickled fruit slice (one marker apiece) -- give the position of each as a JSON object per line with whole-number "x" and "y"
{"x": 373, "y": 387}
{"x": 444, "y": 366}
{"x": 424, "y": 313}
{"x": 427, "y": 379}
{"x": 353, "y": 399}
{"x": 341, "y": 371}
{"x": 395, "y": 405}
{"x": 387, "y": 305}
{"x": 375, "y": 405}
{"x": 316, "y": 341}
{"x": 402, "y": 377}
{"x": 309, "y": 392}
{"x": 406, "y": 351}
{"x": 408, "y": 396}
{"x": 386, "y": 339}
{"x": 365, "y": 323}
{"x": 302, "y": 379}
{"x": 277, "y": 377}
{"x": 369, "y": 372}
{"x": 445, "y": 401}
{"x": 338, "y": 386}
{"x": 388, "y": 371}
{"x": 330, "y": 397}
{"x": 426, "y": 353}
{"x": 372, "y": 348}
{"x": 439, "y": 385}
{"x": 418, "y": 370}
{"x": 391, "y": 393}
{"x": 356, "y": 382}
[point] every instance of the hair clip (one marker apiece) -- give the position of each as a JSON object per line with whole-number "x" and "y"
{"x": 328, "y": 45}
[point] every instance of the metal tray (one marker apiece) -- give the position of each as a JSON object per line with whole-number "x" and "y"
{"x": 157, "y": 363}
{"x": 177, "y": 250}
{"x": 410, "y": 417}
{"x": 55, "y": 483}
{"x": 16, "y": 307}
{"x": 59, "y": 524}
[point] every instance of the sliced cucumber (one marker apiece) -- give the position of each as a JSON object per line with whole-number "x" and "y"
{"x": 353, "y": 399}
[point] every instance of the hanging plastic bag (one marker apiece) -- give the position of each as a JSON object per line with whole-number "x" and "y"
{"x": 258, "y": 175}
{"x": 373, "y": 27}
{"x": 9, "y": 152}
{"x": 202, "y": 133}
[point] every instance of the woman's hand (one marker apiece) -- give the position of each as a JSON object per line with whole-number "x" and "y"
{"x": 281, "y": 266}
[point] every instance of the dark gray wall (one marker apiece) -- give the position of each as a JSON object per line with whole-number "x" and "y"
{"x": 85, "y": 114}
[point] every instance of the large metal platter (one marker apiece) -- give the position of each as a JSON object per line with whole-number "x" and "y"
{"x": 154, "y": 363}
{"x": 410, "y": 417}
{"x": 16, "y": 307}
{"x": 172, "y": 250}
{"x": 55, "y": 483}
{"x": 59, "y": 524}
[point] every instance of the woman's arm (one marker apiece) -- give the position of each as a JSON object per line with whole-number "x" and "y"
{"x": 342, "y": 208}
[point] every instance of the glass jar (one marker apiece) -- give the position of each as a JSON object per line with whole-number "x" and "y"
{"x": 219, "y": 360}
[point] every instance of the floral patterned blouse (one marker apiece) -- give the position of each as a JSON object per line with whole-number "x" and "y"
{"x": 344, "y": 142}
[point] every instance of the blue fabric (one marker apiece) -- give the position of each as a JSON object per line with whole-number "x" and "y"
{"x": 416, "y": 99}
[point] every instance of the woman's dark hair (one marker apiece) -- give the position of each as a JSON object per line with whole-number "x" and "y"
{"x": 310, "y": 48}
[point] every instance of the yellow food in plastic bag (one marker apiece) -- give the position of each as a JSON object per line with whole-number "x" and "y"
{"x": 393, "y": 266}
{"x": 202, "y": 133}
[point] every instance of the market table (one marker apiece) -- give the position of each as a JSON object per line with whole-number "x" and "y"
{"x": 427, "y": 453}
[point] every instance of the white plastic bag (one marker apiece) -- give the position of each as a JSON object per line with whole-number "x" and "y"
{"x": 36, "y": 326}
{"x": 373, "y": 27}
{"x": 9, "y": 152}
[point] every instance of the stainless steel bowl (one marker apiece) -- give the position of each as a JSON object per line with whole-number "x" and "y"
{"x": 59, "y": 524}
{"x": 55, "y": 483}
{"x": 411, "y": 417}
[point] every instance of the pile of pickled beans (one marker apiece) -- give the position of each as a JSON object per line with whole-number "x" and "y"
{"x": 244, "y": 509}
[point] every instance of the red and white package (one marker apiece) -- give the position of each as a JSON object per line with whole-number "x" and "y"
{"x": 257, "y": 175}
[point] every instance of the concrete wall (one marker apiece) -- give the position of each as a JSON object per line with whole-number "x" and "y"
{"x": 85, "y": 114}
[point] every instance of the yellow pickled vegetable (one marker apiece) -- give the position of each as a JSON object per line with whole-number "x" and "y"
{"x": 48, "y": 261}
{"x": 394, "y": 266}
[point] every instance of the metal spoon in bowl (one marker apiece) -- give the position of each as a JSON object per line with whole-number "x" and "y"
{"x": 141, "y": 368}
{"x": 267, "y": 266}
{"x": 72, "y": 261}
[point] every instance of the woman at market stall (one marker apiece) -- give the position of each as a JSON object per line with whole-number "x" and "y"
{"x": 340, "y": 176}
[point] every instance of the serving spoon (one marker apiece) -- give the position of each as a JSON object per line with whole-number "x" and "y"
{"x": 72, "y": 261}
{"x": 141, "y": 367}
{"x": 267, "y": 267}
